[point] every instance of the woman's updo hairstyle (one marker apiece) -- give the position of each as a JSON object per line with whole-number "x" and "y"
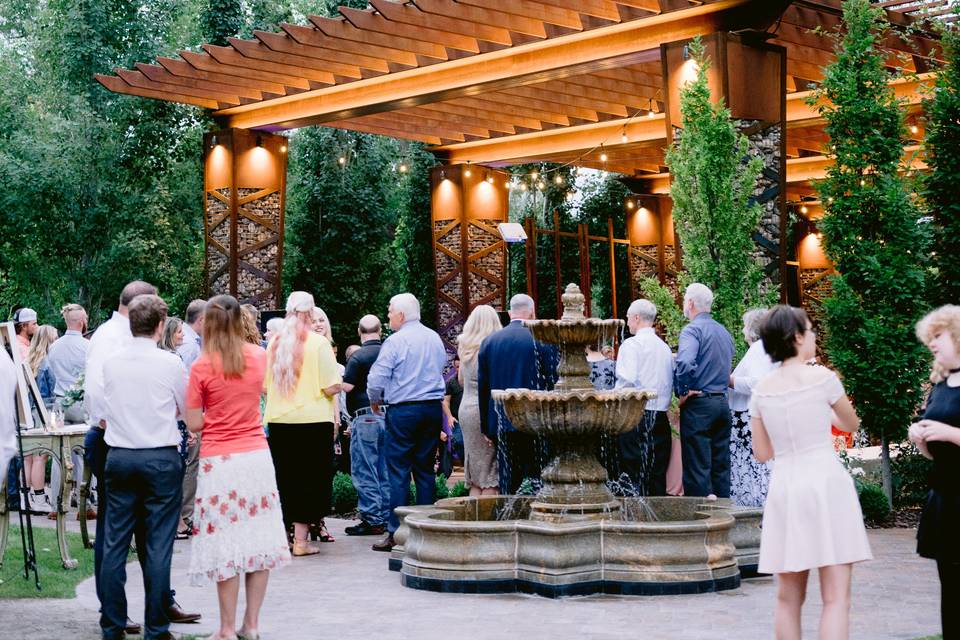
{"x": 779, "y": 331}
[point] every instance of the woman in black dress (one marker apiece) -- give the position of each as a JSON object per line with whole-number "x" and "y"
{"x": 937, "y": 436}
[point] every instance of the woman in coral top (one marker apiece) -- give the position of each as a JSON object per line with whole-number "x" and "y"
{"x": 238, "y": 525}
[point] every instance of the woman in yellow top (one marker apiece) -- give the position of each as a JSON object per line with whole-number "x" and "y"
{"x": 301, "y": 383}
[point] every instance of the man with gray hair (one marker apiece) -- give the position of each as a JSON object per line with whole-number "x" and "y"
{"x": 189, "y": 351}
{"x": 704, "y": 361}
{"x": 645, "y": 362}
{"x": 408, "y": 375}
{"x": 511, "y": 359}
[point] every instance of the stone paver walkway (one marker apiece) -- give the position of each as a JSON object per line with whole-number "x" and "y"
{"x": 347, "y": 592}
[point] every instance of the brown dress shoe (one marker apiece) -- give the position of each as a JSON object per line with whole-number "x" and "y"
{"x": 384, "y": 545}
{"x": 132, "y": 628}
{"x": 179, "y": 616}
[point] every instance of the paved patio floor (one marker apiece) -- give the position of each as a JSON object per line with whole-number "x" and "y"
{"x": 347, "y": 592}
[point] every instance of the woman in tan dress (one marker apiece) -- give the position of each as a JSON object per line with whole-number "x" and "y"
{"x": 480, "y": 466}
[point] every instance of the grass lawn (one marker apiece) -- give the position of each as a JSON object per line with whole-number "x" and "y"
{"x": 55, "y": 581}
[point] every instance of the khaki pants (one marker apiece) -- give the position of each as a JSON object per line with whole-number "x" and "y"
{"x": 190, "y": 479}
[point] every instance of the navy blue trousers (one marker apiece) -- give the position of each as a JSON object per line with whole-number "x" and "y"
{"x": 410, "y": 445}
{"x": 144, "y": 491}
{"x": 705, "y": 425}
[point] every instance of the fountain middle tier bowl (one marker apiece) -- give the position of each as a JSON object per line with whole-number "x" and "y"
{"x": 574, "y": 332}
{"x": 570, "y": 414}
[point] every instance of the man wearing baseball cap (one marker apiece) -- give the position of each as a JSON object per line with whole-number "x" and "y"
{"x": 25, "y": 325}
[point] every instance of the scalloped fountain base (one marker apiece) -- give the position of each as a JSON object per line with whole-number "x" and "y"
{"x": 655, "y": 547}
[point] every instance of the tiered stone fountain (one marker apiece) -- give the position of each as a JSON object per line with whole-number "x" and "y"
{"x": 574, "y": 536}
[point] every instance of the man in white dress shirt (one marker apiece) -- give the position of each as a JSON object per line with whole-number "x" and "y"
{"x": 645, "y": 362}
{"x": 144, "y": 392}
{"x": 111, "y": 337}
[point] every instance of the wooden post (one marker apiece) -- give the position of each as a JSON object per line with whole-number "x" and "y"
{"x": 584, "y": 246}
{"x": 556, "y": 260}
{"x": 613, "y": 269}
{"x": 530, "y": 226}
{"x": 244, "y": 200}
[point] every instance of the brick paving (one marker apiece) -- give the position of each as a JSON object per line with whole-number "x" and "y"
{"x": 347, "y": 592}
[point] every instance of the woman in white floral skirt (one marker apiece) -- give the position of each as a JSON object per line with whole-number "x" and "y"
{"x": 238, "y": 525}
{"x": 748, "y": 478}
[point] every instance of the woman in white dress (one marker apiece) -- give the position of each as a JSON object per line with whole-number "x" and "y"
{"x": 748, "y": 478}
{"x": 812, "y": 517}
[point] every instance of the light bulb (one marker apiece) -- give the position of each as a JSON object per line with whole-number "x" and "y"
{"x": 541, "y": 186}
{"x": 283, "y": 148}
{"x": 467, "y": 172}
{"x": 914, "y": 129}
{"x": 603, "y": 157}
{"x": 630, "y": 204}
{"x": 569, "y": 196}
{"x": 534, "y": 175}
{"x": 803, "y": 209}
{"x": 402, "y": 167}
{"x": 651, "y": 114}
{"x": 623, "y": 138}
{"x": 342, "y": 160}
{"x": 558, "y": 179}
{"x": 523, "y": 186}
{"x": 490, "y": 179}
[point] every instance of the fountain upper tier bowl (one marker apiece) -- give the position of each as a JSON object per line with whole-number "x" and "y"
{"x": 574, "y": 331}
{"x": 564, "y": 414}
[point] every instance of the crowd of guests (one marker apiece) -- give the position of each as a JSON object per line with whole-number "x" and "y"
{"x": 201, "y": 428}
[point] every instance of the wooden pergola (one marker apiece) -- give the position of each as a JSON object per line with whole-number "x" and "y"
{"x": 502, "y": 82}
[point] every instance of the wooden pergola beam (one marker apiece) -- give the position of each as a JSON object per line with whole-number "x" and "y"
{"x": 527, "y": 64}
{"x": 554, "y": 141}
{"x": 343, "y": 29}
{"x": 117, "y": 84}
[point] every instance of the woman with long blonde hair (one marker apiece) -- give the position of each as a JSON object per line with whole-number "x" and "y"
{"x": 301, "y": 384}
{"x": 480, "y": 466}
{"x": 35, "y": 467}
{"x": 239, "y": 530}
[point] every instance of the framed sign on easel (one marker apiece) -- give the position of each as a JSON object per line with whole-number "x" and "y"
{"x": 26, "y": 384}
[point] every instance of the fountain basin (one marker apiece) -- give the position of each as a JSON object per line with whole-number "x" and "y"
{"x": 469, "y": 545}
{"x": 574, "y": 414}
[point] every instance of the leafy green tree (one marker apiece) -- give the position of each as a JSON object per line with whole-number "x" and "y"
{"x": 713, "y": 181}
{"x": 943, "y": 158}
{"x": 221, "y": 19}
{"x": 871, "y": 234}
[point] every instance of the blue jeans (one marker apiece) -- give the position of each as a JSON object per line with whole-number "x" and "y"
{"x": 410, "y": 444}
{"x": 144, "y": 491}
{"x": 368, "y": 468}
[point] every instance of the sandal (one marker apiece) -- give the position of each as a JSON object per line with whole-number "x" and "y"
{"x": 319, "y": 532}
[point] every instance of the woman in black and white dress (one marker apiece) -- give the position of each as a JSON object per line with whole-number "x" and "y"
{"x": 748, "y": 478}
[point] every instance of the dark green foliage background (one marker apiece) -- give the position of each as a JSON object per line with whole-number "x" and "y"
{"x": 97, "y": 189}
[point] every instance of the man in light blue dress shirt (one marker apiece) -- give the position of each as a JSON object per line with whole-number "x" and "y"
{"x": 408, "y": 376}
{"x": 68, "y": 357}
{"x": 189, "y": 351}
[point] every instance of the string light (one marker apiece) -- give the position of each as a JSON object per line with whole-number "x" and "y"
{"x": 283, "y": 148}
{"x": 569, "y": 196}
{"x": 651, "y": 113}
{"x": 467, "y": 173}
{"x": 489, "y": 178}
{"x": 342, "y": 160}
{"x": 603, "y": 157}
{"x": 534, "y": 175}
{"x": 523, "y": 186}
{"x": 803, "y": 209}
{"x": 630, "y": 204}
{"x": 403, "y": 167}
{"x": 558, "y": 179}
{"x": 914, "y": 129}
{"x": 623, "y": 137}
{"x": 541, "y": 186}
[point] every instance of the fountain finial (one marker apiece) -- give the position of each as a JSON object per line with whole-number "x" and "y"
{"x": 574, "y": 303}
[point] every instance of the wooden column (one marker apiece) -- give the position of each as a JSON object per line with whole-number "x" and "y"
{"x": 613, "y": 269}
{"x": 244, "y": 199}
{"x": 750, "y": 76}
{"x": 470, "y": 257}
{"x": 583, "y": 244}
{"x": 530, "y": 248}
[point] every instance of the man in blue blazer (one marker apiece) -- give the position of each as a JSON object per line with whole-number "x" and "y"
{"x": 511, "y": 359}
